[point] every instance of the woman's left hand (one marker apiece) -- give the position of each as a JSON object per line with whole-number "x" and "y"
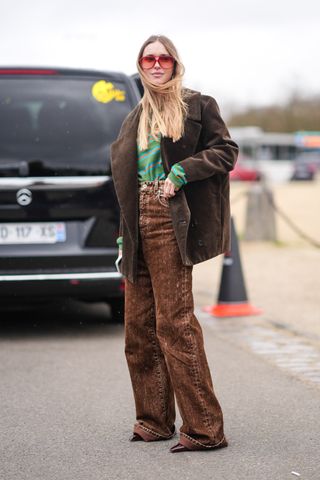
{"x": 169, "y": 188}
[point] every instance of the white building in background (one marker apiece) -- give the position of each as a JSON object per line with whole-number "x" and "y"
{"x": 273, "y": 154}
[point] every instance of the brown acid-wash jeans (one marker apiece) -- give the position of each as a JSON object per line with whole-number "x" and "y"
{"x": 163, "y": 338}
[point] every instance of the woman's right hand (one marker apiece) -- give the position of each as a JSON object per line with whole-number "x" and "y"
{"x": 169, "y": 188}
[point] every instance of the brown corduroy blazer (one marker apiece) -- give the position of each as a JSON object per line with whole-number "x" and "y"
{"x": 200, "y": 210}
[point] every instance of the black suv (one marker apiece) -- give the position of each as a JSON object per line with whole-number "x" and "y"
{"x": 59, "y": 215}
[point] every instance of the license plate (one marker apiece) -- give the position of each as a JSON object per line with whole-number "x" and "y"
{"x": 15, "y": 233}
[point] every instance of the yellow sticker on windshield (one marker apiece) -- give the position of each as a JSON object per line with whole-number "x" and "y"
{"x": 105, "y": 92}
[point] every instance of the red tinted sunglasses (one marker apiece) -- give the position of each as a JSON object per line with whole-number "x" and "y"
{"x": 149, "y": 61}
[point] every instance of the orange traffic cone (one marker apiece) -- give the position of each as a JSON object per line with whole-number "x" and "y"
{"x": 232, "y": 298}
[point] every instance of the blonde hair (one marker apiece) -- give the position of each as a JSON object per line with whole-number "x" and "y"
{"x": 163, "y": 106}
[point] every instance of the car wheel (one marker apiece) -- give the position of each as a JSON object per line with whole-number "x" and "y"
{"x": 117, "y": 309}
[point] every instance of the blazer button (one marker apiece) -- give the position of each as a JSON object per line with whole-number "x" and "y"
{"x": 183, "y": 222}
{"x": 200, "y": 243}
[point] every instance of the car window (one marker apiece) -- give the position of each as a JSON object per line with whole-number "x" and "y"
{"x": 59, "y": 126}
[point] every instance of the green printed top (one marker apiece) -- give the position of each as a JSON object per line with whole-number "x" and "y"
{"x": 149, "y": 162}
{"x": 150, "y": 167}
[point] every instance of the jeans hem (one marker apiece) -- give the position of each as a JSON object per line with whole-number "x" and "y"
{"x": 151, "y": 434}
{"x": 188, "y": 441}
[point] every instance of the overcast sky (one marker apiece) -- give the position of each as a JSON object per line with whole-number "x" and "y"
{"x": 243, "y": 52}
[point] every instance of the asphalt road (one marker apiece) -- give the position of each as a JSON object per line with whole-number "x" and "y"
{"x": 67, "y": 409}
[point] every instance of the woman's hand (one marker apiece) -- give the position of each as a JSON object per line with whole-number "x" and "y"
{"x": 169, "y": 188}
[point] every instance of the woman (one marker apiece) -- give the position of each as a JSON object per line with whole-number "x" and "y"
{"x": 170, "y": 167}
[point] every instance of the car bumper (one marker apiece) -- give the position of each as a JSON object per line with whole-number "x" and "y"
{"x": 87, "y": 285}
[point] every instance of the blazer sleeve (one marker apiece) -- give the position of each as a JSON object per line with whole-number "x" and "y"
{"x": 220, "y": 152}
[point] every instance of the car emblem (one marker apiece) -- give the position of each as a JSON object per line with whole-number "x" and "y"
{"x": 24, "y": 197}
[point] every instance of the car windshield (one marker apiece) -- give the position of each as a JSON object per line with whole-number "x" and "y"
{"x": 59, "y": 126}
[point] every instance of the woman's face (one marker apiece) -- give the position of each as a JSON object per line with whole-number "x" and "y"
{"x": 157, "y": 75}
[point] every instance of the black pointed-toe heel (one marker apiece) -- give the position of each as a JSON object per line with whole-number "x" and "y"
{"x": 136, "y": 438}
{"x": 179, "y": 448}
{"x": 147, "y": 437}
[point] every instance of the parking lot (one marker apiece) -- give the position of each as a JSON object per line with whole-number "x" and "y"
{"x": 67, "y": 406}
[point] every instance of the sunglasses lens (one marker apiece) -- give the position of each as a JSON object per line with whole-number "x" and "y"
{"x": 147, "y": 62}
{"x": 166, "y": 61}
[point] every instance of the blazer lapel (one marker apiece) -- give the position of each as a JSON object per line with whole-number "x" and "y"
{"x": 173, "y": 152}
